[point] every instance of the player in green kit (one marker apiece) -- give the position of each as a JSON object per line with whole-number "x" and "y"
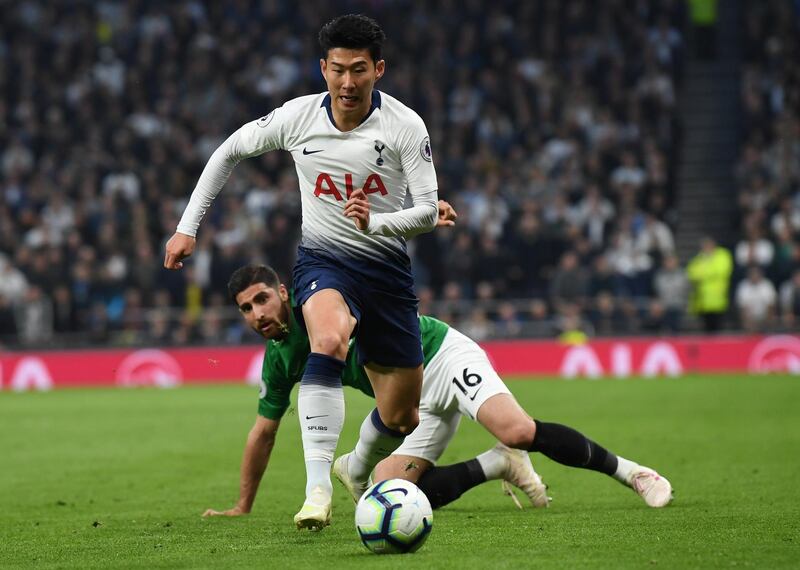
{"x": 458, "y": 380}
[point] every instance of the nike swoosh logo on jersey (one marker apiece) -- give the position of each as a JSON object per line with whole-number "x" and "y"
{"x": 475, "y": 394}
{"x": 312, "y": 417}
{"x": 306, "y": 151}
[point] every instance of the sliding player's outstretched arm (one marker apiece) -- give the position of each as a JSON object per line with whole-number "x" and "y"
{"x": 255, "y": 459}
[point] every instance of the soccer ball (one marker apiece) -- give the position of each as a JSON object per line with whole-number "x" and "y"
{"x": 393, "y": 516}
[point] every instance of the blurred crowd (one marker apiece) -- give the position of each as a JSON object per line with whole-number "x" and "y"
{"x": 766, "y": 276}
{"x": 553, "y": 124}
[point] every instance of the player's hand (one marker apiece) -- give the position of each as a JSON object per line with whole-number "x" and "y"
{"x": 179, "y": 247}
{"x": 447, "y": 214}
{"x": 234, "y": 512}
{"x": 357, "y": 208}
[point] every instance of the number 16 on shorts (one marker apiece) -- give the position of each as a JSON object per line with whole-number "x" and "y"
{"x": 469, "y": 382}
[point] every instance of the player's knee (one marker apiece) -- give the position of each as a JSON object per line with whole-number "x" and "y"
{"x": 404, "y": 421}
{"x": 519, "y": 435}
{"x": 331, "y": 344}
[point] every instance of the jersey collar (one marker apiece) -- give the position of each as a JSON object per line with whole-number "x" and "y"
{"x": 375, "y": 104}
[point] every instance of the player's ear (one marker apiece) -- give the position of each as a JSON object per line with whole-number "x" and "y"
{"x": 283, "y": 293}
{"x": 380, "y": 69}
{"x": 323, "y": 66}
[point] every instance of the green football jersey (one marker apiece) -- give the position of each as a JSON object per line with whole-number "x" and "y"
{"x": 285, "y": 362}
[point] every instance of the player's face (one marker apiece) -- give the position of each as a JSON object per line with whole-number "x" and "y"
{"x": 264, "y": 309}
{"x": 351, "y": 74}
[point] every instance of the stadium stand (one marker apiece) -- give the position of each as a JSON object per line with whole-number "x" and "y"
{"x": 555, "y": 128}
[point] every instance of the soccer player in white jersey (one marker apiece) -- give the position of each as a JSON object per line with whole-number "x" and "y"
{"x": 356, "y": 152}
{"x": 458, "y": 381}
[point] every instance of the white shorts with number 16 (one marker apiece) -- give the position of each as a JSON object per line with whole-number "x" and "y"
{"x": 457, "y": 381}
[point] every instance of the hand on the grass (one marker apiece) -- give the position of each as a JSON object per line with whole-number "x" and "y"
{"x": 357, "y": 208}
{"x": 234, "y": 512}
{"x": 447, "y": 214}
{"x": 178, "y": 247}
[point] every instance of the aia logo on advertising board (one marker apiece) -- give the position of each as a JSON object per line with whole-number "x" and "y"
{"x": 776, "y": 354}
{"x": 149, "y": 367}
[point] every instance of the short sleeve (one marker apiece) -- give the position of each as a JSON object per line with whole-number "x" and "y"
{"x": 275, "y": 391}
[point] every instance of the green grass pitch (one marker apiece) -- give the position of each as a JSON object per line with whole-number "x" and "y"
{"x": 118, "y": 478}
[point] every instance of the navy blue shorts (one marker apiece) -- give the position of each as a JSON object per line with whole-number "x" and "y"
{"x": 382, "y": 301}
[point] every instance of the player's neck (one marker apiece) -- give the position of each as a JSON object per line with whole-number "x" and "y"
{"x": 347, "y": 121}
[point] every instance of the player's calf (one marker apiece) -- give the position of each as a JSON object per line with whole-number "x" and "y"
{"x": 570, "y": 447}
{"x": 376, "y": 442}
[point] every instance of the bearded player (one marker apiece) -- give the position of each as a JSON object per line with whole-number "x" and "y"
{"x": 458, "y": 381}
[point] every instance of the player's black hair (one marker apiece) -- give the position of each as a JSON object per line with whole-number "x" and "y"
{"x": 352, "y": 31}
{"x": 251, "y": 274}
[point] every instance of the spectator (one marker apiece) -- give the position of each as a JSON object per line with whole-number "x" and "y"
{"x": 8, "y": 326}
{"x": 704, "y": 21}
{"x": 34, "y": 317}
{"x": 571, "y": 328}
{"x": 603, "y": 279}
{"x": 786, "y": 219}
{"x": 654, "y": 320}
{"x": 756, "y": 299}
{"x": 631, "y": 264}
{"x": 593, "y": 215}
{"x": 787, "y": 257}
{"x": 790, "y": 301}
{"x": 12, "y": 281}
{"x": 65, "y": 320}
{"x": 754, "y": 249}
{"x": 605, "y": 316}
{"x": 709, "y": 274}
{"x": 672, "y": 292}
{"x": 655, "y": 238}
{"x": 569, "y": 284}
{"x": 628, "y": 174}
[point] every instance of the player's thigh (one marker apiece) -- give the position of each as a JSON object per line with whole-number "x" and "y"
{"x": 397, "y": 391}
{"x": 328, "y": 321}
{"x": 388, "y": 331}
{"x": 328, "y": 298}
{"x": 405, "y": 467}
{"x": 462, "y": 370}
{"x": 503, "y": 417}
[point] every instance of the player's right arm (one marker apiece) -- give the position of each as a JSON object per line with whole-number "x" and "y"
{"x": 252, "y": 139}
{"x": 273, "y": 401}
{"x": 255, "y": 459}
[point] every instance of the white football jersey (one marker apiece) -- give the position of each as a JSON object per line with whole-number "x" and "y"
{"x": 388, "y": 153}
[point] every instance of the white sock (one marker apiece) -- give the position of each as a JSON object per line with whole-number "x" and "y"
{"x": 375, "y": 442}
{"x": 625, "y": 470}
{"x": 321, "y": 410}
{"x": 318, "y": 475}
{"x": 492, "y": 463}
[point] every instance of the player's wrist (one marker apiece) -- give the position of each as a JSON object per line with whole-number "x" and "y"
{"x": 244, "y": 507}
{"x": 186, "y": 231}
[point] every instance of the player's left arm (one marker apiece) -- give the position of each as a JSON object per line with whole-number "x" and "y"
{"x": 416, "y": 159}
{"x": 447, "y": 215}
